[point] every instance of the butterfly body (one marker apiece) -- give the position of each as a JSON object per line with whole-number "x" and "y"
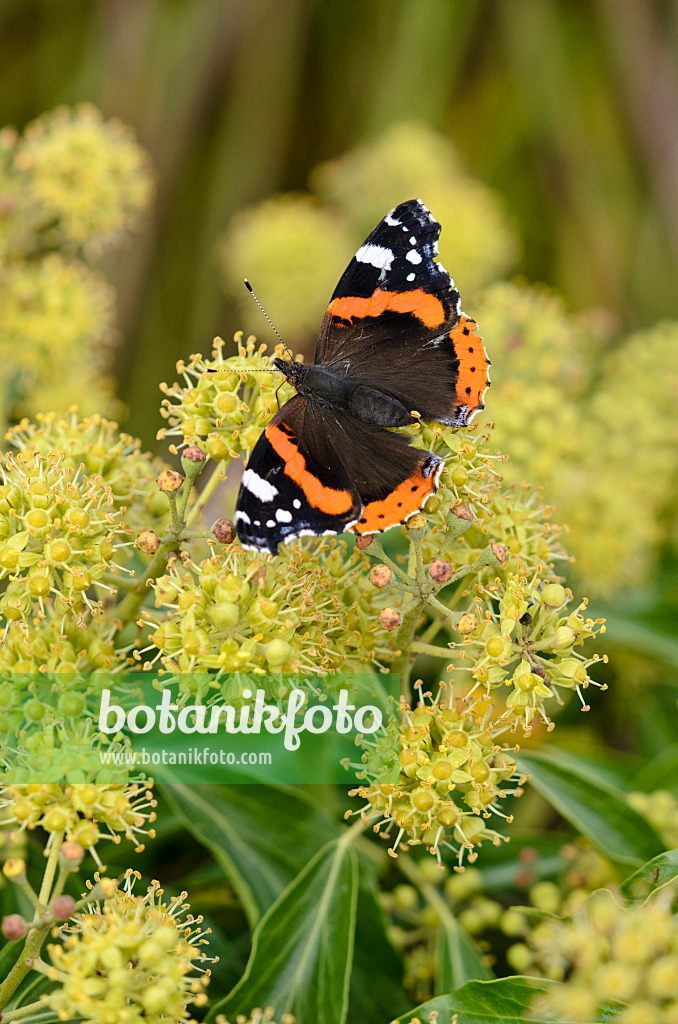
{"x": 318, "y": 384}
{"x": 393, "y": 342}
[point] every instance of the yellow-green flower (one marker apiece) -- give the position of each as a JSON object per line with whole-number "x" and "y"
{"x": 129, "y": 959}
{"x": 294, "y": 251}
{"x": 86, "y": 176}
{"x": 77, "y": 811}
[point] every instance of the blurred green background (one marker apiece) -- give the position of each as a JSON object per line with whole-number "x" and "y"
{"x": 566, "y": 108}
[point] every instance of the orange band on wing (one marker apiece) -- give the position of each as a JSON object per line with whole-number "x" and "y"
{"x": 324, "y": 498}
{"x": 407, "y": 499}
{"x": 474, "y": 378}
{"x": 421, "y": 304}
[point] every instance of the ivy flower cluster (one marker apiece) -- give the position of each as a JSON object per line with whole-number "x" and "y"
{"x": 604, "y": 950}
{"x": 71, "y": 187}
{"x": 76, "y": 812}
{"x": 453, "y": 773}
{"x": 130, "y": 958}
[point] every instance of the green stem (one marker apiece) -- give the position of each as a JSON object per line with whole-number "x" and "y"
{"x": 50, "y": 869}
{"x": 376, "y": 550}
{"x": 205, "y": 495}
{"x": 128, "y": 608}
{"x": 412, "y": 872}
{"x": 23, "y": 1011}
{"x": 431, "y": 649}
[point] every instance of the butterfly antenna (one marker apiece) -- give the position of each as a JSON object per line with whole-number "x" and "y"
{"x": 275, "y": 330}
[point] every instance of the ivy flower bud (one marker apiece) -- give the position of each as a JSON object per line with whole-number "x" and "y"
{"x": 13, "y": 927}
{"x": 224, "y": 531}
{"x": 170, "y": 481}
{"x": 14, "y": 869}
{"x": 389, "y": 618}
{"x": 380, "y": 576}
{"x": 147, "y": 542}
{"x": 364, "y": 540}
{"x": 440, "y": 571}
{"x": 63, "y": 907}
{"x": 71, "y": 855}
{"x": 462, "y": 511}
{"x": 193, "y": 454}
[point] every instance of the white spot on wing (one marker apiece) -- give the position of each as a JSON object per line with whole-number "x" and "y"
{"x": 413, "y": 240}
{"x": 270, "y": 523}
{"x": 376, "y": 255}
{"x": 242, "y": 517}
{"x": 391, "y": 221}
{"x": 257, "y": 486}
{"x": 296, "y": 503}
{"x": 411, "y": 277}
{"x": 413, "y": 256}
{"x": 283, "y": 516}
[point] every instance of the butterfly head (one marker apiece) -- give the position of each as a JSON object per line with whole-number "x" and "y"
{"x": 293, "y": 372}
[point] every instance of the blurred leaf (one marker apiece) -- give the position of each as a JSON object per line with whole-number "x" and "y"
{"x": 376, "y": 979}
{"x": 660, "y": 773}
{"x": 502, "y": 1001}
{"x": 459, "y": 959}
{"x": 261, "y": 835}
{"x": 655, "y": 873}
{"x": 598, "y": 810}
{"x": 641, "y": 637}
{"x": 302, "y": 949}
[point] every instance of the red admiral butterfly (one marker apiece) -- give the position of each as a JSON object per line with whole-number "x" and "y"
{"x": 393, "y": 340}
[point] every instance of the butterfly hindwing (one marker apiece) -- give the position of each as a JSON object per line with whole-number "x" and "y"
{"x": 319, "y": 471}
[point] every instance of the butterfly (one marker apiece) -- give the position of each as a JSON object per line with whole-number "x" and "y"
{"x": 393, "y": 341}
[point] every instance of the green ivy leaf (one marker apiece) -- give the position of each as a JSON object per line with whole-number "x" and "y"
{"x": 596, "y": 808}
{"x": 459, "y": 959}
{"x": 502, "y": 1001}
{"x": 302, "y": 949}
{"x": 261, "y": 836}
{"x": 376, "y": 980}
{"x": 652, "y": 876}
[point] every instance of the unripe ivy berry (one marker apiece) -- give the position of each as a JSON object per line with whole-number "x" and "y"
{"x": 459, "y": 476}
{"x": 224, "y": 531}
{"x": 13, "y": 927}
{"x": 278, "y": 652}
{"x": 170, "y": 481}
{"x": 440, "y": 571}
{"x": 147, "y": 542}
{"x": 389, "y": 618}
{"x": 416, "y": 522}
{"x": 554, "y": 595}
{"x": 380, "y": 576}
{"x": 564, "y": 636}
{"x": 225, "y": 615}
{"x": 217, "y": 448}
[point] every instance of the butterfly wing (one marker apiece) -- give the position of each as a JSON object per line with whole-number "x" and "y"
{"x": 317, "y": 470}
{"x": 394, "y": 322}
